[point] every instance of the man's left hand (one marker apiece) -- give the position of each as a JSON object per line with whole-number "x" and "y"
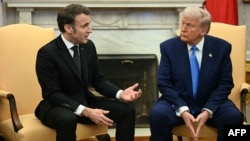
{"x": 130, "y": 94}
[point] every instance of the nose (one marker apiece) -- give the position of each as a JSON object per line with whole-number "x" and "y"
{"x": 89, "y": 30}
{"x": 183, "y": 28}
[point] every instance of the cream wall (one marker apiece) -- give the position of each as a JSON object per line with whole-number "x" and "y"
{"x": 2, "y": 13}
{"x": 138, "y": 39}
{"x": 120, "y": 26}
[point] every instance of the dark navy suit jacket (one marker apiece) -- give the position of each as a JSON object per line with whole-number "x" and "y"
{"x": 215, "y": 78}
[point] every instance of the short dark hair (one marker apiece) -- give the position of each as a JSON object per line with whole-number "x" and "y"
{"x": 68, "y": 13}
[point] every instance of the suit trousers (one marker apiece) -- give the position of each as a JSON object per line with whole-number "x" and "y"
{"x": 65, "y": 125}
{"x": 163, "y": 119}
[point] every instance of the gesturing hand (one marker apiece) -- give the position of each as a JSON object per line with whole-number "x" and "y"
{"x": 130, "y": 94}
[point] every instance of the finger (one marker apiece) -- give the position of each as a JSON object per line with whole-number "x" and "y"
{"x": 192, "y": 131}
{"x": 140, "y": 92}
{"x": 198, "y": 118}
{"x": 194, "y": 119}
{"x": 105, "y": 112}
{"x": 107, "y": 121}
{"x": 134, "y": 97}
{"x": 135, "y": 85}
{"x": 195, "y": 138}
{"x": 137, "y": 93}
{"x": 199, "y": 128}
{"x": 197, "y": 131}
{"x": 104, "y": 123}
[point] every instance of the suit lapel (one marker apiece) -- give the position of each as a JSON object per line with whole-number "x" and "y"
{"x": 67, "y": 57}
{"x": 206, "y": 64}
{"x": 182, "y": 52}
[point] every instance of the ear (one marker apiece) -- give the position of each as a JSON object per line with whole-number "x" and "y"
{"x": 203, "y": 31}
{"x": 68, "y": 28}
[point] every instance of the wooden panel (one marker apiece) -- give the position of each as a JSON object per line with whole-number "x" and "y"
{"x": 146, "y": 138}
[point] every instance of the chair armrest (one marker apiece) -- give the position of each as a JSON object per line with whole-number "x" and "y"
{"x": 17, "y": 125}
{"x": 245, "y": 88}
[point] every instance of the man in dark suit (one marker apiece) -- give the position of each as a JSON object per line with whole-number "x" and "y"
{"x": 65, "y": 87}
{"x": 181, "y": 101}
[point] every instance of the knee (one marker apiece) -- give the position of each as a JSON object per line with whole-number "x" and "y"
{"x": 156, "y": 116}
{"x": 233, "y": 117}
{"x": 129, "y": 110}
{"x": 123, "y": 111}
{"x": 68, "y": 119}
{"x": 236, "y": 118}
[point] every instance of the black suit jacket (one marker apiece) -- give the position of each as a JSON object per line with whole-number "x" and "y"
{"x": 61, "y": 83}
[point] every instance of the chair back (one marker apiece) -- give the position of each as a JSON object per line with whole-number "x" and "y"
{"x": 237, "y": 36}
{"x": 19, "y": 44}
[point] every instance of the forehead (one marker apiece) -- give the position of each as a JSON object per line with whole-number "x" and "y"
{"x": 82, "y": 19}
{"x": 190, "y": 20}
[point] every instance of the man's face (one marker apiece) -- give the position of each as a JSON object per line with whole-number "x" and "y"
{"x": 81, "y": 29}
{"x": 191, "y": 32}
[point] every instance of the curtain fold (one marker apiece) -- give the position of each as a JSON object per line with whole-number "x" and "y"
{"x": 225, "y": 11}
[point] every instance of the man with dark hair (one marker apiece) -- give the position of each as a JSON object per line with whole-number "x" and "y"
{"x": 66, "y": 68}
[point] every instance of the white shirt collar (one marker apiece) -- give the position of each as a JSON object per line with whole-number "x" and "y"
{"x": 199, "y": 45}
{"x": 67, "y": 43}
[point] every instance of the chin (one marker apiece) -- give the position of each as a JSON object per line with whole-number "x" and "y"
{"x": 85, "y": 41}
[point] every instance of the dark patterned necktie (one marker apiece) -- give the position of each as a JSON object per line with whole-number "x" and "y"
{"x": 76, "y": 57}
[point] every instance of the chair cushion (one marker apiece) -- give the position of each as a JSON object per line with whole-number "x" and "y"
{"x": 34, "y": 130}
{"x": 207, "y": 131}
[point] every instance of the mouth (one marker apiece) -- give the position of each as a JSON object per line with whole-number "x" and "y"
{"x": 183, "y": 36}
{"x": 85, "y": 37}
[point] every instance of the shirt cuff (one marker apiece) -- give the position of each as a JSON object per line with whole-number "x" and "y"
{"x": 211, "y": 112}
{"x": 180, "y": 110}
{"x": 118, "y": 94}
{"x": 79, "y": 110}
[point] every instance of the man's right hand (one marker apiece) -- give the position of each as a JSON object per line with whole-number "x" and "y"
{"x": 189, "y": 121}
{"x": 98, "y": 116}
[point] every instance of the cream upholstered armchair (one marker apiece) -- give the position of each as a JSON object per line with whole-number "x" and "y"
{"x": 236, "y": 35}
{"x": 19, "y": 89}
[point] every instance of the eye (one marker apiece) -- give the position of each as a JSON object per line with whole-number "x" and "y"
{"x": 188, "y": 25}
{"x": 85, "y": 26}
